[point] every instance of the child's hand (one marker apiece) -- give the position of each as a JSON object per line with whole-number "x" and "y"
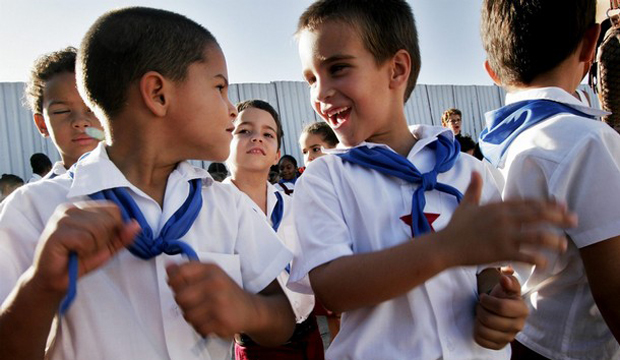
{"x": 497, "y": 232}
{"x": 501, "y": 314}
{"x": 211, "y": 301}
{"x": 93, "y": 230}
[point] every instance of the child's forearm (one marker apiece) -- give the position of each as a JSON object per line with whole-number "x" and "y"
{"x": 361, "y": 280}
{"x": 275, "y": 320}
{"x": 25, "y": 320}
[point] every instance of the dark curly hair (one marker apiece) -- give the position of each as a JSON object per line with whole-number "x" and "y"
{"x": 43, "y": 69}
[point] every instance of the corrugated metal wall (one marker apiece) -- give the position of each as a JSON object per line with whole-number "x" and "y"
{"x": 19, "y": 138}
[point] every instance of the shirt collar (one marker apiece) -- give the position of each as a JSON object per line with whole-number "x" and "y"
{"x": 97, "y": 172}
{"x": 554, "y": 94}
{"x": 424, "y": 134}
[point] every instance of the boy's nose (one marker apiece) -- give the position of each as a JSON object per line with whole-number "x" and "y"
{"x": 322, "y": 91}
{"x": 81, "y": 121}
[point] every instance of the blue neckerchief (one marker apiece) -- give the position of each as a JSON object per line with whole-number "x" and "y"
{"x": 390, "y": 163}
{"x": 278, "y": 211}
{"x": 506, "y": 123}
{"x": 144, "y": 245}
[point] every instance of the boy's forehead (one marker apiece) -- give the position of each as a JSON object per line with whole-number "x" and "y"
{"x": 327, "y": 39}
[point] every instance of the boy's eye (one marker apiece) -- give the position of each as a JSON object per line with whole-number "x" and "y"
{"x": 58, "y": 112}
{"x": 269, "y": 135}
{"x": 335, "y": 69}
{"x": 316, "y": 149}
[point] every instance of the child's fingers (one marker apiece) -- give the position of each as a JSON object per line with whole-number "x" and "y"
{"x": 510, "y": 308}
{"x": 510, "y": 286}
{"x": 491, "y": 338}
{"x": 541, "y": 239}
{"x": 534, "y": 212}
{"x": 474, "y": 190}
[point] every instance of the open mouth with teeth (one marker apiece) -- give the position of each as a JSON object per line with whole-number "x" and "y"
{"x": 338, "y": 116}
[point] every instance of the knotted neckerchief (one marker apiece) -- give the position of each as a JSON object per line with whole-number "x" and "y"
{"x": 391, "y": 163}
{"x": 506, "y": 123}
{"x": 144, "y": 245}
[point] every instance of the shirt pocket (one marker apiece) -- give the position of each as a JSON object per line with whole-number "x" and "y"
{"x": 230, "y": 263}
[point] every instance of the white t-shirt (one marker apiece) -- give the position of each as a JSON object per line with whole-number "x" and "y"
{"x": 125, "y": 309}
{"x": 349, "y": 209}
{"x": 302, "y": 304}
{"x": 34, "y": 178}
{"x": 576, "y": 161}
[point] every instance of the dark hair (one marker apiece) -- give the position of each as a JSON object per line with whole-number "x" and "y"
{"x": 43, "y": 69}
{"x": 466, "y": 142}
{"x": 322, "y": 128}
{"x": 40, "y": 163}
{"x": 289, "y": 158}
{"x": 10, "y": 180}
{"x": 526, "y": 38}
{"x": 263, "y": 105}
{"x": 123, "y": 45}
{"x": 446, "y": 115}
{"x": 218, "y": 171}
{"x": 385, "y": 26}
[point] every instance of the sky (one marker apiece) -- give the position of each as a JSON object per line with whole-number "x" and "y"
{"x": 255, "y": 35}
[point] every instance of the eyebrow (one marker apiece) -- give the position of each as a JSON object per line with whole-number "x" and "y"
{"x": 57, "y": 102}
{"x": 223, "y": 78}
{"x": 337, "y": 57}
{"x": 248, "y": 123}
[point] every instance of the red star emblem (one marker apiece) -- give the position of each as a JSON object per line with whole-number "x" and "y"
{"x": 430, "y": 217}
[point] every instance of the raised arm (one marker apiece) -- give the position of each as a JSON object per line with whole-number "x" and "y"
{"x": 95, "y": 232}
{"x": 475, "y": 235}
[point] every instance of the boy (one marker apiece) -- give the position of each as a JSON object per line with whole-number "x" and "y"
{"x": 158, "y": 111}
{"x": 451, "y": 119}
{"x": 254, "y": 149}
{"x": 401, "y": 298}
{"x": 59, "y": 111}
{"x": 40, "y": 165}
{"x": 547, "y": 146}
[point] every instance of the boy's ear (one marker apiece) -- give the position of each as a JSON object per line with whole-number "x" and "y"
{"x": 277, "y": 158}
{"x": 492, "y": 73}
{"x": 154, "y": 90}
{"x": 588, "y": 48}
{"x": 401, "y": 68}
{"x": 39, "y": 122}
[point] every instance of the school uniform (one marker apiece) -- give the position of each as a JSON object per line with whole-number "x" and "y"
{"x": 34, "y": 178}
{"x": 306, "y": 339}
{"x": 57, "y": 169}
{"x": 576, "y": 160}
{"x": 125, "y": 309}
{"x": 286, "y": 186}
{"x": 358, "y": 210}
{"x": 302, "y": 304}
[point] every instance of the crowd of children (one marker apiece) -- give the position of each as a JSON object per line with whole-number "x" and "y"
{"x": 410, "y": 248}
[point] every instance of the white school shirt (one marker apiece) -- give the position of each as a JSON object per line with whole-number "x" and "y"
{"x": 34, "y": 178}
{"x": 352, "y": 209}
{"x": 302, "y": 304}
{"x": 125, "y": 309}
{"x": 575, "y": 160}
{"x": 57, "y": 170}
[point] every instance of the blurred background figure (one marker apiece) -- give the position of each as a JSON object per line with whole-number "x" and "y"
{"x": 41, "y": 165}
{"x": 8, "y": 184}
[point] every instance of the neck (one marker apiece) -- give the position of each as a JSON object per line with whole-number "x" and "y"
{"x": 253, "y": 184}
{"x": 144, "y": 161}
{"x": 566, "y": 76}
{"x": 398, "y": 137}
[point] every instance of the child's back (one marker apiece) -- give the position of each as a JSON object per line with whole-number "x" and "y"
{"x": 547, "y": 145}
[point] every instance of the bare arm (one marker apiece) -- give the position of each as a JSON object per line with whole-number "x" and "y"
{"x": 95, "y": 232}
{"x": 337, "y": 283}
{"x": 213, "y": 303}
{"x": 601, "y": 261}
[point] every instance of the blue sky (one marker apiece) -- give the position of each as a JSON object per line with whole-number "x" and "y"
{"x": 256, "y": 35}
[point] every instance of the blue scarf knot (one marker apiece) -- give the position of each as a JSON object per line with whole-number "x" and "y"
{"x": 144, "y": 245}
{"x": 391, "y": 163}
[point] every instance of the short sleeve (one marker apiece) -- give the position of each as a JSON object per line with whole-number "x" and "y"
{"x": 322, "y": 233}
